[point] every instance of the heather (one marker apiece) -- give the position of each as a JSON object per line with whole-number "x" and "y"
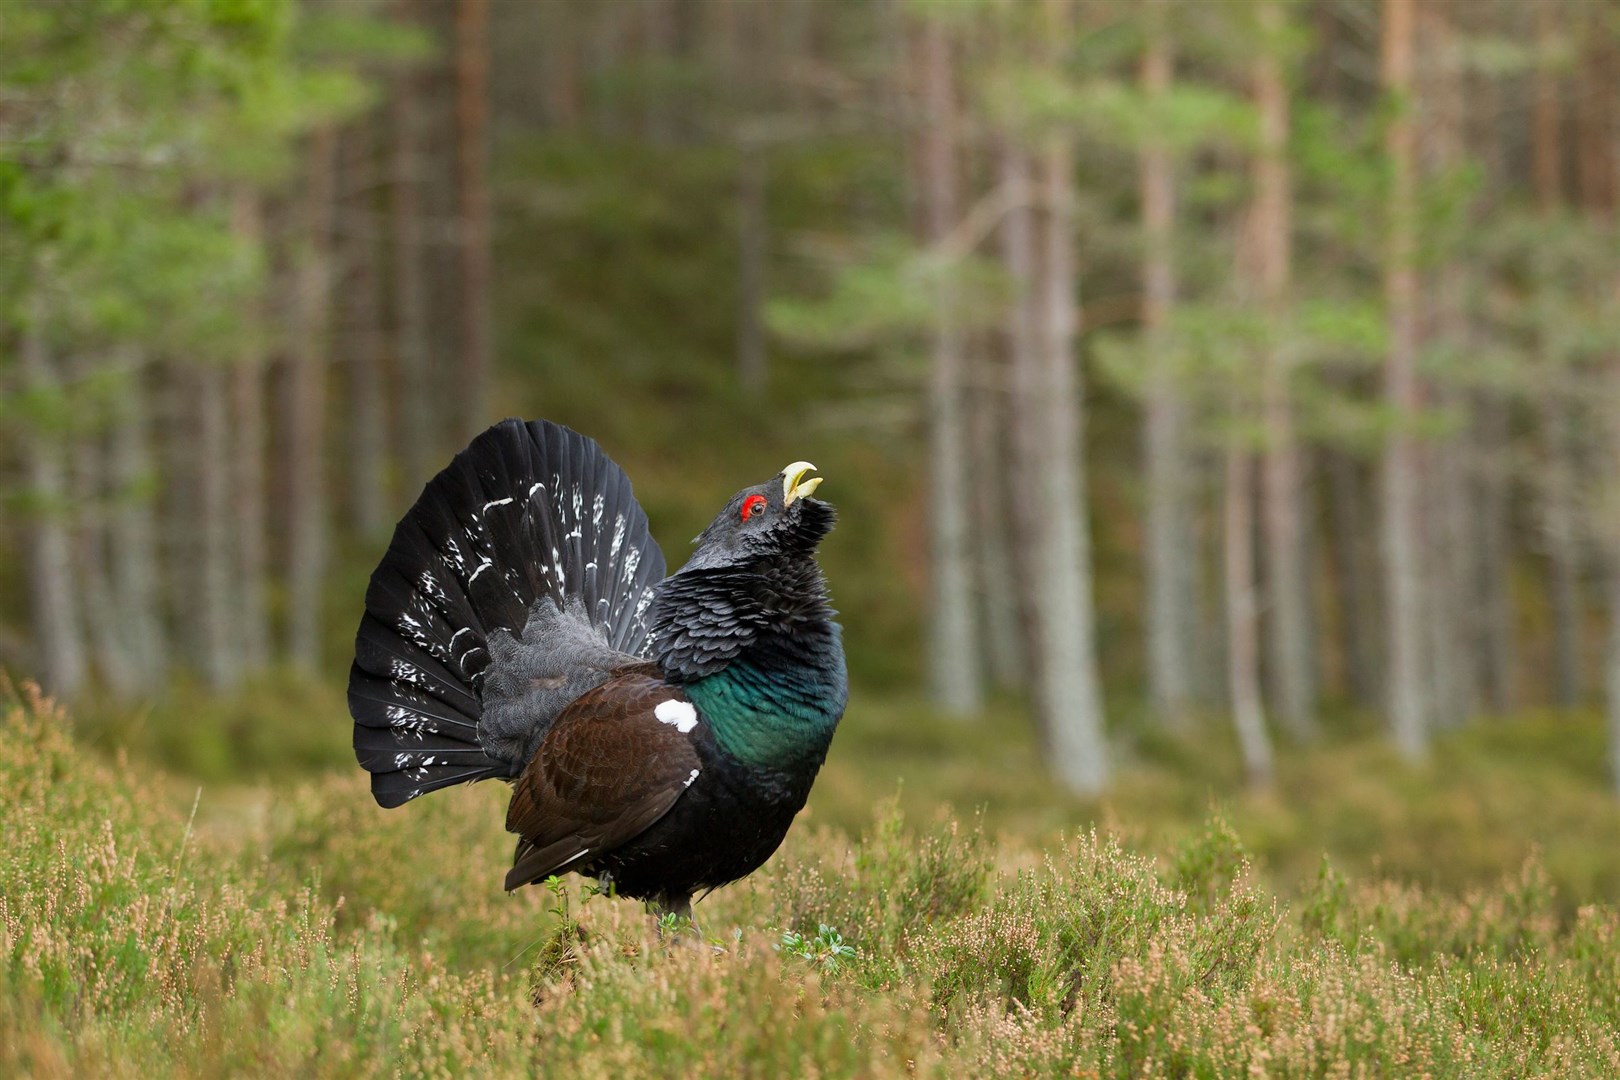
{"x": 151, "y": 925}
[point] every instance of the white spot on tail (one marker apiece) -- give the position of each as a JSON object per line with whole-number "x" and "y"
{"x": 679, "y": 713}
{"x": 496, "y": 502}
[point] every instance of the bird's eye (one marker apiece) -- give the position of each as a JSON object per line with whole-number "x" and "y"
{"x": 752, "y": 505}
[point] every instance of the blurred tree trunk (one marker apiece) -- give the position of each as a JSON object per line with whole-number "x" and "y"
{"x": 1403, "y": 586}
{"x": 362, "y": 336}
{"x": 132, "y": 531}
{"x": 306, "y": 421}
{"x": 562, "y": 54}
{"x": 1492, "y": 493}
{"x": 52, "y": 587}
{"x": 419, "y": 426}
{"x": 1017, "y": 242}
{"x": 1243, "y": 618}
{"x": 998, "y": 583}
{"x": 1067, "y": 665}
{"x": 1352, "y": 561}
{"x": 472, "y": 154}
{"x": 955, "y": 682}
{"x": 1171, "y": 600}
{"x": 1492, "y": 486}
{"x": 251, "y": 618}
{"x": 1354, "y": 576}
{"x": 1558, "y": 471}
{"x": 215, "y": 597}
{"x": 93, "y": 498}
{"x": 1448, "y": 553}
{"x": 659, "y": 41}
{"x": 1271, "y": 220}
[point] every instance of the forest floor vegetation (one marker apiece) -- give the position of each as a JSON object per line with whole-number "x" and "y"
{"x": 152, "y": 924}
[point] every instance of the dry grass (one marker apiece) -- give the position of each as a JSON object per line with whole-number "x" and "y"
{"x": 309, "y": 934}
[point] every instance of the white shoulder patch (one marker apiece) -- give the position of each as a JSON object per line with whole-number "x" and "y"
{"x": 680, "y": 713}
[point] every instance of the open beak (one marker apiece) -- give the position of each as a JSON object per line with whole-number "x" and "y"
{"x": 794, "y": 486}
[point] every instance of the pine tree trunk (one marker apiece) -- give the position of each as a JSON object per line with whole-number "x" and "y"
{"x": 561, "y": 60}
{"x": 113, "y": 664}
{"x": 1354, "y": 581}
{"x": 52, "y": 588}
{"x": 1448, "y": 554}
{"x": 246, "y": 453}
{"x": 955, "y": 680}
{"x": 1563, "y": 542}
{"x": 362, "y": 337}
{"x": 305, "y": 515}
{"x": 998, "y": 584}
{"x": 251, "y": 619}
{"x": 1068, "y": 663}
{"x": 472, "y": 114}
{"x": 418, "y": 433}
{"x": 1287, "y": 580}
{"x": 1017, "y": 240}
{"x": 1170, "y": 556}
{"x": 1243, "y": 620}
{"x": 216, "y": 601}
{"x": 1492, "y": 495}
{"x": 1403, "y": 587}
{"x": 132, "y": 532}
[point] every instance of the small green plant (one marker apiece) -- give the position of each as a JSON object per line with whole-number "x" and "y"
{"x": 826, "y": 951}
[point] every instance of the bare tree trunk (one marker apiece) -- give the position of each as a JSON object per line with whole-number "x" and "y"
{"x": 1068, "y": 663}
{"x": 368, "y": 500}
{"x": 563, "y": 96}
{"x": 1171, "y": 558}
{"x": 93, "y": 499}
{"x": 1563, "y": 541}
{"x": 1407, "y": 700}
{"x": 1287, "y": 580}
{"x": 752, "y": 229}
{"x": 215, "y": 597}
{"x": 132, "y": 533}
{"x": 998, "y": 584}
{"x": 251, "y": 618}
{"x": 306, "y": 423}
{"x": 1492, "y": 493}
{"x": 418, "y": 435}
{"x": 1017, "y": 239}
{"x": 1243, "y": 620}
{"x": 658, "y": 49}
{"x": 1354, "y": 581}
{"x": 954, "y": 655}
{"x": 472, "y": 113}
{"x": 52, "y": 589}
{"x": 1448, "y": 555}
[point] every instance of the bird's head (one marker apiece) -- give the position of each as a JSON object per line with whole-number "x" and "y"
{"x": 766, "y": 521}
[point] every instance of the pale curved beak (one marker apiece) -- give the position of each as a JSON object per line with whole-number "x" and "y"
{"x": 794, "y": 486}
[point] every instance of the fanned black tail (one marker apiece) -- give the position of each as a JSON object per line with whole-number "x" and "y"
{"x": 526, "y": 511}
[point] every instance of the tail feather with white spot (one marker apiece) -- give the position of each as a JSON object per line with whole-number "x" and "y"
{"x": 528, "y": 511}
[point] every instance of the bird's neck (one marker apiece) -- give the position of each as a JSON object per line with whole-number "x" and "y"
{"x": 758, "y": 652}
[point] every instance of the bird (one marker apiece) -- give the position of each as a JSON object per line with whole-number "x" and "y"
{"x": 659, "y": 733}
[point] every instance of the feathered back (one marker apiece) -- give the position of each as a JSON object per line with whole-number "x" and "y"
{"x": 526, "y": 511}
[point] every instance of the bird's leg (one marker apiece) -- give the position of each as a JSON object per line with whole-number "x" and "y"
{"x": 674, "y": 912}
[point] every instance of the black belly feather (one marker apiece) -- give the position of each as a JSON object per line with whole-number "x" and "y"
{"x": 729, "y": 822}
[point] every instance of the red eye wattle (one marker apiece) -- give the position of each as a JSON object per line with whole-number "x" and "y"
{"x": 752, "y": 505}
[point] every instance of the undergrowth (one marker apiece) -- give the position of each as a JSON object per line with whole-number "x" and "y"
{"x": 146, "y": 931}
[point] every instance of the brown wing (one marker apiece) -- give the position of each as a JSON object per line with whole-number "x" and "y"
{"x": 606, "y": 771}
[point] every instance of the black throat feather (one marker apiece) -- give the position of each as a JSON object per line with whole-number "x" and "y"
{"x": 703, "y": 620}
